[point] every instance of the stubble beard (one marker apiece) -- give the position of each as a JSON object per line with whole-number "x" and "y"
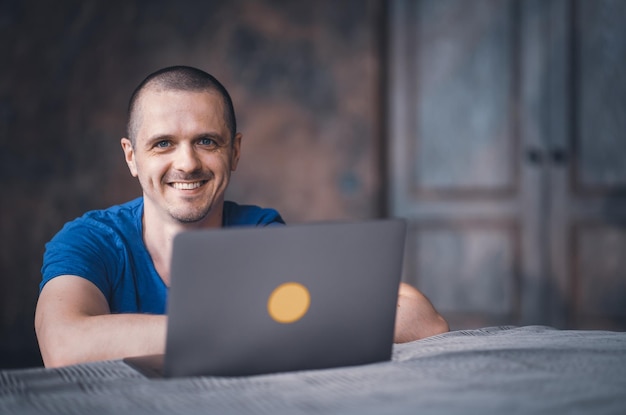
{"x": 190, "y": 218}
{"x": 191, "y": 215}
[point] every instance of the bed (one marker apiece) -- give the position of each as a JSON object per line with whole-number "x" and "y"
{"x": 497, "y": 370}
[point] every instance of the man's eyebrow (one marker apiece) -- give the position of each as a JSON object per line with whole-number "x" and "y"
{"x": 159, "y": 137}
{"x": 214, "y": 135}
{"x": 209, "y": 134}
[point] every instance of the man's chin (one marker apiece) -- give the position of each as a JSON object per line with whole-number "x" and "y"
{"x": 187, "y": 217}
{"x": 188, "y": 220}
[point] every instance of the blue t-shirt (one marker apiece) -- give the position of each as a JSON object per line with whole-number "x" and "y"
{"x": 106, "y": 247}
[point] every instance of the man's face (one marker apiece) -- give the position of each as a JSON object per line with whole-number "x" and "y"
{"x": 183, "y": 155}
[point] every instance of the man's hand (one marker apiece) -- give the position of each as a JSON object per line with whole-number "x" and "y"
{"x": 416, "y": 318}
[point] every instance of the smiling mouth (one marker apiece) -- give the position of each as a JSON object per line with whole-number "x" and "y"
{"x": 187, "y": 185}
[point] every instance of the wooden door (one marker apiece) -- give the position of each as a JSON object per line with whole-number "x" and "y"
{"x": 487, "y": 154}
{"x": 587, "y": 152}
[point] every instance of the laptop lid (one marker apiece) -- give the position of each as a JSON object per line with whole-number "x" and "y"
{"x": 247, "y": 301}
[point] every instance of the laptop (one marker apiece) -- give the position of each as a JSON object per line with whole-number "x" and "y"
{"x": 250, "y": 301}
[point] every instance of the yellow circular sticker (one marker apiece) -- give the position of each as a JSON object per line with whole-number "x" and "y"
{"x": 289, "y": 302}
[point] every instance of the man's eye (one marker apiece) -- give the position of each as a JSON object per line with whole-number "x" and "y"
{"x": 162, "y": 144}
{"x": 207, "y": 142}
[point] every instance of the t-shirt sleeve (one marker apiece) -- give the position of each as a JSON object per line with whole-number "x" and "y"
{"x": 250, "y": 215}
{"x": 270, "y": 217}
{"x": 82, "y": 249}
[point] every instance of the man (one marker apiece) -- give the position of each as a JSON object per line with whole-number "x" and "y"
{"x": 105, "y": 275}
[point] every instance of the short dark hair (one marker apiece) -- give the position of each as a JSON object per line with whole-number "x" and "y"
{"x": 182, "y": 78}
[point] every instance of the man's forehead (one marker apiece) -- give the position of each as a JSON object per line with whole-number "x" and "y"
{"x": 158, "y": 93}
{"x": 160, "y": 107}
{"x": 165, "y": 102}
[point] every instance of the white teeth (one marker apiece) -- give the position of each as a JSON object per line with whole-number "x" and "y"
{"x": 186, "y": 186}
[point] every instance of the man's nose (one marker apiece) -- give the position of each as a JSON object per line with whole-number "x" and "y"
{"x": 186, "y": 159}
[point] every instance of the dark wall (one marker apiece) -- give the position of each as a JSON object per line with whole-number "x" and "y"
{"x": 304, "y": 77}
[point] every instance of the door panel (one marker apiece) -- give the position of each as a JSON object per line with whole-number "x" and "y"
{"x": 464, "y": 69}
{"x": 600, "y": 103}
{"x": 592, "y": 208}
{"x": 454, "y": 167}
{"x": 507, "y": 126}
{"x": 471, "y": 267}
{"x": 599, "y": 285}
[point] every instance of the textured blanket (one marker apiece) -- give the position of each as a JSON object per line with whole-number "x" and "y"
{"x": 505, "y": 370}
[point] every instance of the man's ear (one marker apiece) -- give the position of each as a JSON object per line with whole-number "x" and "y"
{"x": 129, "y": 155}
{"x": 236, "y": 153}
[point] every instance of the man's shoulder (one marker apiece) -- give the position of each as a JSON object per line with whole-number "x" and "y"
{"x": 116, "y": 213}
{"x": 115, "y": 218}
{"x": 242, "y": 215}
{"x": 96, "y": 245}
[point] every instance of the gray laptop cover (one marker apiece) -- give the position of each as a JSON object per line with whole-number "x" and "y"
{"x": 344, "y": 280}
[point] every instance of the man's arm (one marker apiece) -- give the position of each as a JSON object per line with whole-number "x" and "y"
{"x": 74, "y": 324}
{"x": 416, "y": 318}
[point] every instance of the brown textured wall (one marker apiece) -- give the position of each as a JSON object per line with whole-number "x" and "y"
{"x": 304, "y": 77}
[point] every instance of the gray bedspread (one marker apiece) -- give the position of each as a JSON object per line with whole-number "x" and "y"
{"x": 506, "y": 370}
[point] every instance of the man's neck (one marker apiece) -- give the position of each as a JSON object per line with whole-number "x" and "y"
{"x": 159, "y": 233}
